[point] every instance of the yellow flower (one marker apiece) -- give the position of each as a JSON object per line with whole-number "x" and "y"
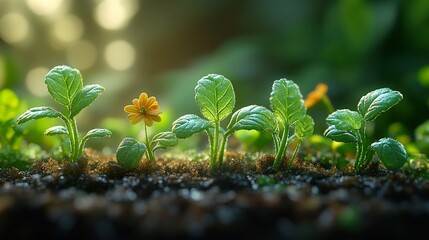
{"x": 316, "y": 95}
{"x": 145, "y": 108}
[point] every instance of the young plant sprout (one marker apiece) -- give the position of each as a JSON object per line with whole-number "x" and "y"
{"x": 350, "y": 127}
{"x": 288, "y": 106}
{"x": 65, "y": 85}
{"x": 215, "y": 97}
{"x": 130, "y": 151}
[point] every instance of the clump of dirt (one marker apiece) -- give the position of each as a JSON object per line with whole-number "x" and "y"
{"x": 96, "y": 198}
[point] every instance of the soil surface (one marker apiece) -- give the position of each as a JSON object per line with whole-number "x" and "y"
{"x": 171, "y": 199}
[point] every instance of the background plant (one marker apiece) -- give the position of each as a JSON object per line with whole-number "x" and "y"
{"x": 215, "y": 97}
{"x": 10, "y": 132}
{"x": 350, "y": 127}
{"x": 290, "y": 114}
{"x": 65, "y": 85}
{"x": 130, "y": 150}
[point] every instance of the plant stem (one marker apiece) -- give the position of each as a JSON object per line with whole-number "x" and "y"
{"x": 361, "y": 148}
{"x": 71, "y": 137}
{"x": 276, "y": 141}
{"x": 295, "y": 152}
{"x": 75, "y": 146}
{"x": 222, "y": 149}
{"x": 328, "y": 104}
{"x": 149, "y": 152}
{"x": 215, "y": 147}
{"x": 283, "y": 145}
{"x": 211, "y": 142}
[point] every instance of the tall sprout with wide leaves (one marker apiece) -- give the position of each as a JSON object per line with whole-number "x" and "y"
{"x": 350, "y": 127}
{"x": 290, "y": 115}
{"x": 65, "y": 85}
{"x": 215, "y": 97}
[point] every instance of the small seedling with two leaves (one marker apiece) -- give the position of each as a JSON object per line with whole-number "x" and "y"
{"x": 350, "y": 127}
{"x": 65, "y": 85}
{"x": 130, "y": 150}
{"x": 215, "y": 97}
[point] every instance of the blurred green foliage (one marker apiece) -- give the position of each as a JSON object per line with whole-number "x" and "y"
{"x": 351, "y": 45}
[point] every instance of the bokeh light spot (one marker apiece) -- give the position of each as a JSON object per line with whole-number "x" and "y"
{"x": 82, "y": 54}
{"x": 14, "y": 28}
{"x": 424, "y": 76}
{"x": 44, "y": 7}
{"x": 115, "y": 14}
{"x": 120, "y": 55}
{"x": 35, "y": 81}
{"x": 67, "y": 29}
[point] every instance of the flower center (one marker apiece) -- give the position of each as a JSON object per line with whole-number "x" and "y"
{"x": 143, "y": 110}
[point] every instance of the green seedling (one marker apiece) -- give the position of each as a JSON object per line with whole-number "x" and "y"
{"x": 215, "y": 97}
{"x": 130, "y": 150}
{"x": 10, "y": 132}
{"x": 65, "y": 85}
{"x": 350, "y": 127}
{"x": 290, "y": 113}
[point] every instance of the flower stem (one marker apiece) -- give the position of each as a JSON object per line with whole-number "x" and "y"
{"x": 328, "y": 104}
{"x": 149, "y": 152}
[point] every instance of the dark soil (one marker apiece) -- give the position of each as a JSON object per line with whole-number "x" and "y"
{"x": 97, "y": 199}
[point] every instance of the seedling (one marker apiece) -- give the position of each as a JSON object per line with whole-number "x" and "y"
{"x": 350, "y": 127}
{"x": 288, "y": 106}
{"x": 65, "y": 85}
{"x": 130, "y": 150}
{"x": 215, "y": 97}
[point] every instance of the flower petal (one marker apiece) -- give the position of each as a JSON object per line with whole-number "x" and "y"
{"x": 147, "y": 121}
{"x": 150, "y": 101}
{"x": 153, "y": 112}
{"x": 155, "y": 118}
{"x": 135, "y": 118}
{"x": 131, "y": 109}
{"x": 136, "y": 103}
{"x": 143, "y": 99}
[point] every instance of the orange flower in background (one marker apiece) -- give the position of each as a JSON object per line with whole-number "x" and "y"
{"x": 316, "y": 95}
{"x": 145, "y": 108}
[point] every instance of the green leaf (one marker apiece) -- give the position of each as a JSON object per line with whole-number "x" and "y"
{"x": 378, "y": 101}
{"x": 189, "y": 124}
{"x": 164, "y": 140}
{"x": 286, "y": 101}
{"x": 97, "y": 133}
{"x": 345, "y": 120}
{"x": 63, "y": 84}
{"x": 215, "y": 97}
{"x": 304, "y": 128}
{"x": 340, "y": 135}
{"x": 252, "y": 117}
{"x": 56, "y": 130}
{"x": 9, "y": 104}
{"x": 130, "y": 152}
{"x": 390, "y": 152}
{"x": 38, "y": 112}
{"x": 84, "y": 98}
